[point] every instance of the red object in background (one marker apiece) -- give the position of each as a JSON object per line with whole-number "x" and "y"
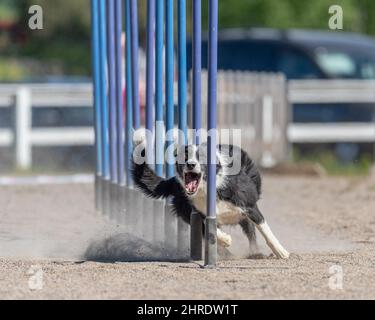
{"x": 15, "y": 32}
{"x": 141, "y": 101}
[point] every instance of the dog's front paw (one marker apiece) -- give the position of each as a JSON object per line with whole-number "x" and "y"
{"x": 282, "y": 254}
{"x": 139, "y": 136}
{"x": 224, "y": 239}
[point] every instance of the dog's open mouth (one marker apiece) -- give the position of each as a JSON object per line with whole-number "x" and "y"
{"x": 192, "y": 181}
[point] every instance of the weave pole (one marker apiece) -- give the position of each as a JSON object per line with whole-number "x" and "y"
{"x": 183, "y": 230}
{"x": 195, "y": 219}
{"x": 104, "y": 108}
{"x": 150, "y": 75}
{"x": 134, "y": 61}
{"x": 114, "y": 128}
{"x": 159, "y": 110}
{"x": 210, "y": 236}
{"x": 169, "y": 87}
{"x": 119, "y": 96}
{"x": 95, "y": 51}
{"x": 129, "y": 97}
{"x": 111, "y": 67}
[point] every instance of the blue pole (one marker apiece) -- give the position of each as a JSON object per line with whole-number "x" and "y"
{"x": 129, "y": 96}
{"x": 169, "y": 86}
{"x": 112, "y": 89}
{"x": 182, "y": 79}
{"x": 119, "y": 99}
{"x": 197, "y": 69}
{"x": 96, "y": 84}
{"x": 195, "y": 219}
{"x": 150, "y": 75}
{"x": 159, "y": 116}
{"x": 211, "y": 247}
{"x": 103, "y": 90}
{"x": 134, "y": 59}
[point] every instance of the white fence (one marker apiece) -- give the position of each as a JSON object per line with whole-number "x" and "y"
{"x": 331, "y": 91}
{"x": 22, "y": 136}
{"x": 258, "y": 104}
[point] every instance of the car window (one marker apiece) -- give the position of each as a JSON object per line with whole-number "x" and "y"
{"x": 242, "y": 55}
{"x": 262, "y": 56}
{"x": 355, "y": 63}
{"x": 296, "y": 64}
{"x": 252, "y": 56}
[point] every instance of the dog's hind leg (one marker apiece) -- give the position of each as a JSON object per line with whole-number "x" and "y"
{"x": 248, "y": 229}
{"x": 256, "y": 216}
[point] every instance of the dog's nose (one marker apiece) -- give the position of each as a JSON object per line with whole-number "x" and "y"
{"x": 191, "y": 165}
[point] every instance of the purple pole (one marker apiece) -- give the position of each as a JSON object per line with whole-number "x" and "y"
{"x": 159, "y": 114}
{"x": 197, "y": 68}
{"x": 119, "y": 100}
{"x": 135, "y": 69}
{"x": 211, "y": 246}
{"x": 129, "y": 97}
{"x": 112, "y": 89}
{"x": 150, "y": 75}
{"x": 195, "y": 219}
{"x": 169, "y": 86}
{"x": 182, "y": 79}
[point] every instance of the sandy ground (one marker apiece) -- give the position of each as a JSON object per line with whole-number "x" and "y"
{"x": 327, "y": 223}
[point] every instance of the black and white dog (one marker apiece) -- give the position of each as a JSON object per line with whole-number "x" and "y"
{"x": 237, "y": 194}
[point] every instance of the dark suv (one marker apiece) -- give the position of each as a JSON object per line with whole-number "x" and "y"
{"x": 302, "y": 54}
{"x": 299, "y": 54}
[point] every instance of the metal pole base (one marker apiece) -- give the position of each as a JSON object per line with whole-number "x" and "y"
{"x": 196, "y": 240}
{"x": 170, "y": 229}
{"x": 158, "y": 221}
{"x": 210, "y": 256}
{"x": 98, "y": 193}
{"x": 148, "y": 219}
{"x": 183, "y": 243}
{"x": 113, "y": 202}
{"x": 123, "y": 200}
{"x": 106, "y": 197}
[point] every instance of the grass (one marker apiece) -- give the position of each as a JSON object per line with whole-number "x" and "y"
{"x": 10, "y": 70}
{"x": 333, "y": 165}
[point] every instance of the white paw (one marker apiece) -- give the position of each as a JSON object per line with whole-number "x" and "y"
{"x": 224, "y": 239}
{"x": 282, "y": 254}
{"x": 139, "y": 136}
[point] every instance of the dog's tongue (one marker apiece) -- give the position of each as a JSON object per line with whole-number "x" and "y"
{"x": 192, "y": 185}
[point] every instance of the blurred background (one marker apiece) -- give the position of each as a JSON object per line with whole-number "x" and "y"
{"x": 302, "y": 94}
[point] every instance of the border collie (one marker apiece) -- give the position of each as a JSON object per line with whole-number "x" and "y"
{"x": 237, "y": 194}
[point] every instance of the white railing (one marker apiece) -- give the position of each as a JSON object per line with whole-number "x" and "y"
{"x": 23, "y": 98}
{"x": 331, "y": 91}
{"x": 22, "y": 136}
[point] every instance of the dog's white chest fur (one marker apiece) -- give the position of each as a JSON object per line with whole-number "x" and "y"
{"x": 226, "y": 213}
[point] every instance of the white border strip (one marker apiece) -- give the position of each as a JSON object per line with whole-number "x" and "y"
{"x": 46, "y": 180}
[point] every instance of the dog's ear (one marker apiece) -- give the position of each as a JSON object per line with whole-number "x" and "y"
{"x": 219, "y": 159}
